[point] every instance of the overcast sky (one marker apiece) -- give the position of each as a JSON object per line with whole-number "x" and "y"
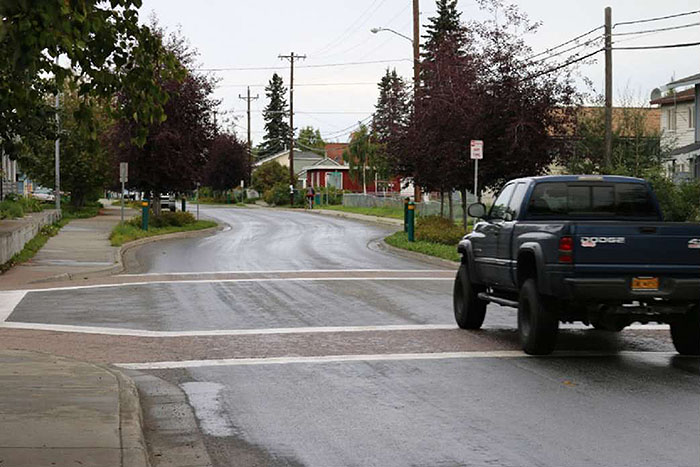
{"x": 253, "y": 33}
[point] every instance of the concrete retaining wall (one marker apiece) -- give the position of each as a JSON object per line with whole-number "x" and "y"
{"x": 15, "y": 233}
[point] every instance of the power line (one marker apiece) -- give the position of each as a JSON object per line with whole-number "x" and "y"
{"x": 563, "y": 65}
{"x": 659, "y": 18}
{"x": 325, "y": 65}
{"x": 591, "y": 41}
{"x": 365, "y": 83}
{"x": 360, "y": 19}
{"x": 665, "y": 46}
{"x": 671, "y": 28}
{"x": 551, "y": 49}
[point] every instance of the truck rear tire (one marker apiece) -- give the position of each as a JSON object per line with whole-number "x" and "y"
{"x": 469, "y": 309}
{"x": 685, "y": 332}
{"x": 537, "y": 325}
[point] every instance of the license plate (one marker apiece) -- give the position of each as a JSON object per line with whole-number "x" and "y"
{"x": 645, "y": 283}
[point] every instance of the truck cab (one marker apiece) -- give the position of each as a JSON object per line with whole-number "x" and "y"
{"x": 588, "y": 248}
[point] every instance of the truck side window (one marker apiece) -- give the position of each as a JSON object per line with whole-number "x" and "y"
{"x": 516, "y": 201}
{"x": 500, "y": 209}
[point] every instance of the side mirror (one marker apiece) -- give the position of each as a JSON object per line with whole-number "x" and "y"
{"x": 477, "y": 210}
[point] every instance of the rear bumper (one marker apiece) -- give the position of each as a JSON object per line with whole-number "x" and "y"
{"x": 601, "y": 290}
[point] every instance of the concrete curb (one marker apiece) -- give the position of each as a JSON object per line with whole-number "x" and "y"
{"x": 133, "y": 443}
{"x": 119, "y": 264}
{"x": 419, "y": 256}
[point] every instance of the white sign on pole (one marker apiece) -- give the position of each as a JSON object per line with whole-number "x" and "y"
{"x": 477, "y": 149}
{"x": 123, "y": 172}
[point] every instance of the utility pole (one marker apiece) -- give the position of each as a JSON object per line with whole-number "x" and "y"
{"x": 416, "y": 76}
{"x": 57, "y": 158}
{"x": 291, "y": 57}
{"x": 608, "y": 88}
{"x": 250, "y": 144}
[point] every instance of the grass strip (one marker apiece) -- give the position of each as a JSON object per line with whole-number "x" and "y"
{"x": 124, "y": 233}
{"x": 394, "y": 213}
{"x": 35, "y": 244}
{"x": 439, "y": 250}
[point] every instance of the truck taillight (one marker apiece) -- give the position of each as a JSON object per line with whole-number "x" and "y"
{"x": 566, "y": 250}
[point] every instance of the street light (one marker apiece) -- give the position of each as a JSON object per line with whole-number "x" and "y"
{"x": 376, "y": 30}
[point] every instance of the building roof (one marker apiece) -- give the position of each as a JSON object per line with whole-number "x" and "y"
{"x": 690, "y": 148}
{"x": 687, "y": 81}
{"x": 324, "y": 164}
{"x": 335, "y": 151}
{"x": 684, "y": 96}
{"x": 298, "y": 155}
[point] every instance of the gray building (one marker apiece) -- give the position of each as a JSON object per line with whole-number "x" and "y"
{"x": 8, "y": 175}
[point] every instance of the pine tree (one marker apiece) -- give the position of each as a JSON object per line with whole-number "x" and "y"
{"x": 446, "y": 27}
{"x": 276, "y": 116}
{"x": 391, "y": 118}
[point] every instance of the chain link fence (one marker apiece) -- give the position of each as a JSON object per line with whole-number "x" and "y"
{"x": 425, "y": 208}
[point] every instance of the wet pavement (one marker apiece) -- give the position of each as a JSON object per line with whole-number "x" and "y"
{"x": 295, "y": 339}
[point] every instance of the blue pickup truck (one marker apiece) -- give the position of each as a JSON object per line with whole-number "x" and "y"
{"x": 586, "y": 248}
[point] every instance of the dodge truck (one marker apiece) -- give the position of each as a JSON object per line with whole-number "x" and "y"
{"x": 591, "y": 249}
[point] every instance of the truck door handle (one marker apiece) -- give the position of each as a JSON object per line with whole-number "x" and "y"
{"x": 649, "y": 229}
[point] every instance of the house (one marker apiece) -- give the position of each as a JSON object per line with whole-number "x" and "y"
{"x": 8, "y": 175}
{"x": 335, "y": 151}
{"x": 679, "y": 127}
{"x": 302, "y": 159}
{"x": 329, "y": 172}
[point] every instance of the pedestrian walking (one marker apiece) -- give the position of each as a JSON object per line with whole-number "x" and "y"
{"x": 310, "y": 193}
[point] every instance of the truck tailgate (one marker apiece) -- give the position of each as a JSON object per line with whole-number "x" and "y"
{"x": 671, "y": 246}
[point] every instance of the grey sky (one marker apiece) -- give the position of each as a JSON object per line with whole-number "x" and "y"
{"x": 253, "y": 33}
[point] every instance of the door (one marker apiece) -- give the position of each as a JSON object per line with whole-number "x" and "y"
{"x": 506, "y": 261}
{"x": 486, "y": 236}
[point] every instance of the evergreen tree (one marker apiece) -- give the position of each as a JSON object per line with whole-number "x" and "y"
{"x": 391, "y": 118}
{"x": 276, "y": 116}
{"x": 445, "y": 27}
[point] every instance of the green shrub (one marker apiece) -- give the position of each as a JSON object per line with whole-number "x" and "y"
{"x": 10, "y": 209}
{"x": 438, "y": 229}
{"x": 278, "y": 195}
{"x": 679, "y": 203}
{"x": 167, "y": 219}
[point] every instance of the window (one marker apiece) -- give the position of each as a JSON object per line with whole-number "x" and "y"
{"x": 690, "y": 118}
{"x": 516, "y": 201}
{"x": 671, "y": 119}
{"x": 500, "y": 209}
{"x": 557, "y": 200}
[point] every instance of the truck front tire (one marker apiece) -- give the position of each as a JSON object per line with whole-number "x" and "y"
{"x": 685, "y": 332}
{"x": 537, "y": 325}
{"x": 469, "y": 309}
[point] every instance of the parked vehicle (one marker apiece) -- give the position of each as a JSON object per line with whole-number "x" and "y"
{"x": 580, "y": 248}
{"x": 43, "y": 194}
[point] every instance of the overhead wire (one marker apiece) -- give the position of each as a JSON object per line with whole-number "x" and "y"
{"x": 670, "y": 28}
{"x": 354, "y": 25}
{"x": 659, "y": 18}
{"x": 323, "y": 65}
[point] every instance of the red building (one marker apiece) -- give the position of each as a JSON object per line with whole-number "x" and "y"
{"x": 328, "y": 172}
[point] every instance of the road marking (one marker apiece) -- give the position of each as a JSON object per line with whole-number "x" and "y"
{"x": 9, "y": 301}
{"x": 224, "y": 281}
{"x": 373, "y": 358}
{"x": 284, "y": 271}
{"x": 221, "y": 332}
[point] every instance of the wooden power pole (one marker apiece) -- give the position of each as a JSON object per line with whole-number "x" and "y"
{"x": 247, "y": 98}
{"x": 608, "y": 88}
{"x": 291, "y": 57}
{"x": 416, "y": 76}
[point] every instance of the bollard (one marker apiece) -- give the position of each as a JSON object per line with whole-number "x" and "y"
{"x": 411, "y": 217}
{"x": 405, "y": 214}
{"x": 184, "y": 205}
{"x": 144, "y": 214}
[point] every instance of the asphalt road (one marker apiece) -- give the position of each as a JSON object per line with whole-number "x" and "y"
{"x": 294, "y": 339}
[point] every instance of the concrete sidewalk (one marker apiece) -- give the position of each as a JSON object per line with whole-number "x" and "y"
{"x": 60, "y": 412}
{"x": 81, "y": 249}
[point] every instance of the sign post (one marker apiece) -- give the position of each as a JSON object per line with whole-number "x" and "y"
{"x": 477, "y": 153}
{"x": 123, "y": 178}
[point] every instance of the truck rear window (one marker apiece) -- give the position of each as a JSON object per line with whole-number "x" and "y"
{"x": 598, "y": 200}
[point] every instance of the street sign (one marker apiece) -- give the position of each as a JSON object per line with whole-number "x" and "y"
{"x": 477, "y": 149}
{"x": 123, "y": 172}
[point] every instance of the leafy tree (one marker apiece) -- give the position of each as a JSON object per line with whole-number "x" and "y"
{"x": 174, "y": 152}
{"x": 100, "y": 41}
{"x": 227, "y": 162}
{"x": 85, "y": 163}
{"x": 310, "y": 139}
{"x": 390, "y": 122}
{"x": 276, "y": 115}
{"x": 270, "y": 174}
{"x": 361, "y": 156}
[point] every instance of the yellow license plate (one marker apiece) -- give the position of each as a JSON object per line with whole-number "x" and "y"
{"x": 645, "y": 283}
